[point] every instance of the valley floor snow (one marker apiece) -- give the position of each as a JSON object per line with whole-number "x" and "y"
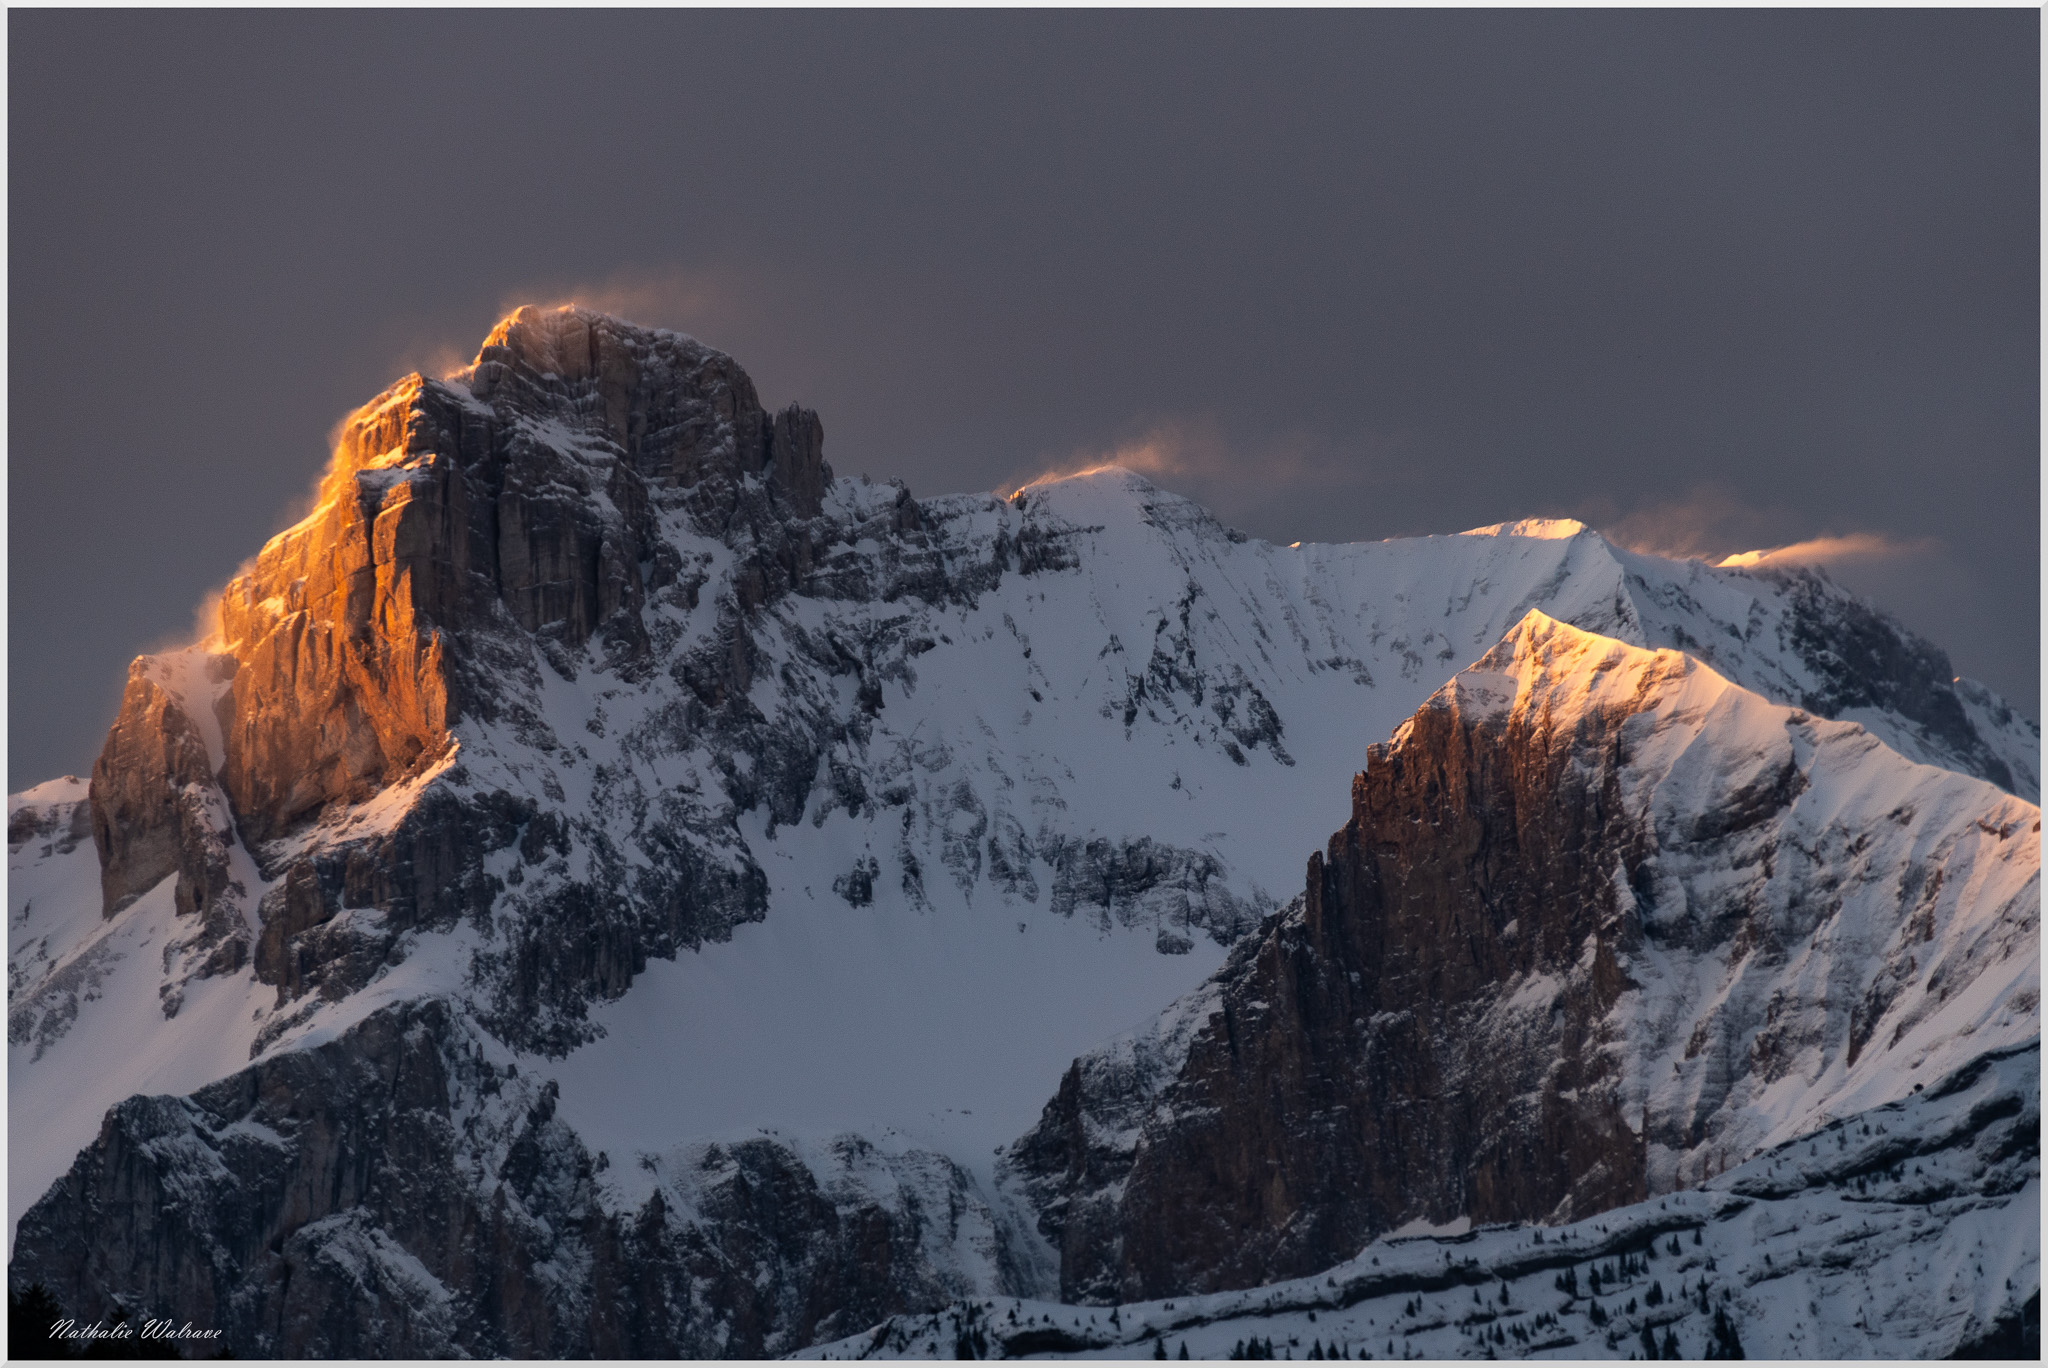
{"x": 948, "y": 1026}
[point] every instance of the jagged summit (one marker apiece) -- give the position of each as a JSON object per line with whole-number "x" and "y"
{"x": 526, "y": 493}
{"x": 567, "y": 339}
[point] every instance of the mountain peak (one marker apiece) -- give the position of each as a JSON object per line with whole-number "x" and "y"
{"x": 1547, "y": 529}
{"x": 571, "y": 341}
{"x": 1549, "y": 667}
{"x": 1541, "y": 642}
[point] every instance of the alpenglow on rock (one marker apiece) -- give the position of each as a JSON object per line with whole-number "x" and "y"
{"x": 657, "y": 876}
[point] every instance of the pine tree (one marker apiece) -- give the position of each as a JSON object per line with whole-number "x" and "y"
{"x": 1727, "y": 1344}
{"x": 32, "y": 1318}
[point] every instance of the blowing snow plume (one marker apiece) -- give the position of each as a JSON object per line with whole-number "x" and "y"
{"x": 1196, "y": 457}
{"x": 1709, "y": 524}
{"x": 1166, "y": 450}
{"x": 1829, "y": 550}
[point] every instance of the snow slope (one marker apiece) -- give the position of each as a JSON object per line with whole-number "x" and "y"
{"x": 98, "y": 1010}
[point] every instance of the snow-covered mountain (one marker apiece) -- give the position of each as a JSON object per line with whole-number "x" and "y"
{"x": 1602, "y": 924}
{"x": 594, "y": 815}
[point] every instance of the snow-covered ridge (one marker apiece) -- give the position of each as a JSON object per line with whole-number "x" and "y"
{"x": 1553, "y": 529}
{"x": 1909, "y": 1230}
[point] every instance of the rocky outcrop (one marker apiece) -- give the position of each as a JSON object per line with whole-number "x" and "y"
{"x": 1340, "y": 1089}
{"x": 157, "y": 809}
{"x": 395, "y": 1192}
{"x": 1577, "y": 867}
{"x": 521, "y": 492}
{"x": 63, "y": 819}
{"x": 1862, "y": 660}
{"x": 148, "y": 788}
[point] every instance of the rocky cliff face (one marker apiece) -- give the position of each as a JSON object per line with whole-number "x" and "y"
{"x": 522, "y": 492}
{"x": 1599, "y": 923}
{"x": 465, "y": 527}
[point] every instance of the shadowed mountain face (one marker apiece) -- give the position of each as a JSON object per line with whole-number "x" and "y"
{"x": 609, "y": 886}
{"x": 329, "y": 1203}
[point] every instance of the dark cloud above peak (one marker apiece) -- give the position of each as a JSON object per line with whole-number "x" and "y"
{"x": 1343, "y": 274}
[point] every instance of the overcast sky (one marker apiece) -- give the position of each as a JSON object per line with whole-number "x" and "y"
{"x": 1714, "y": 280}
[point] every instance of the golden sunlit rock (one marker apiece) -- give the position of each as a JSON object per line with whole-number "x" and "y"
{"x": 448, "y": 507}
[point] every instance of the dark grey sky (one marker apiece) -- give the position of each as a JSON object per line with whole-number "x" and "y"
{"x": 1721, "y": 280}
